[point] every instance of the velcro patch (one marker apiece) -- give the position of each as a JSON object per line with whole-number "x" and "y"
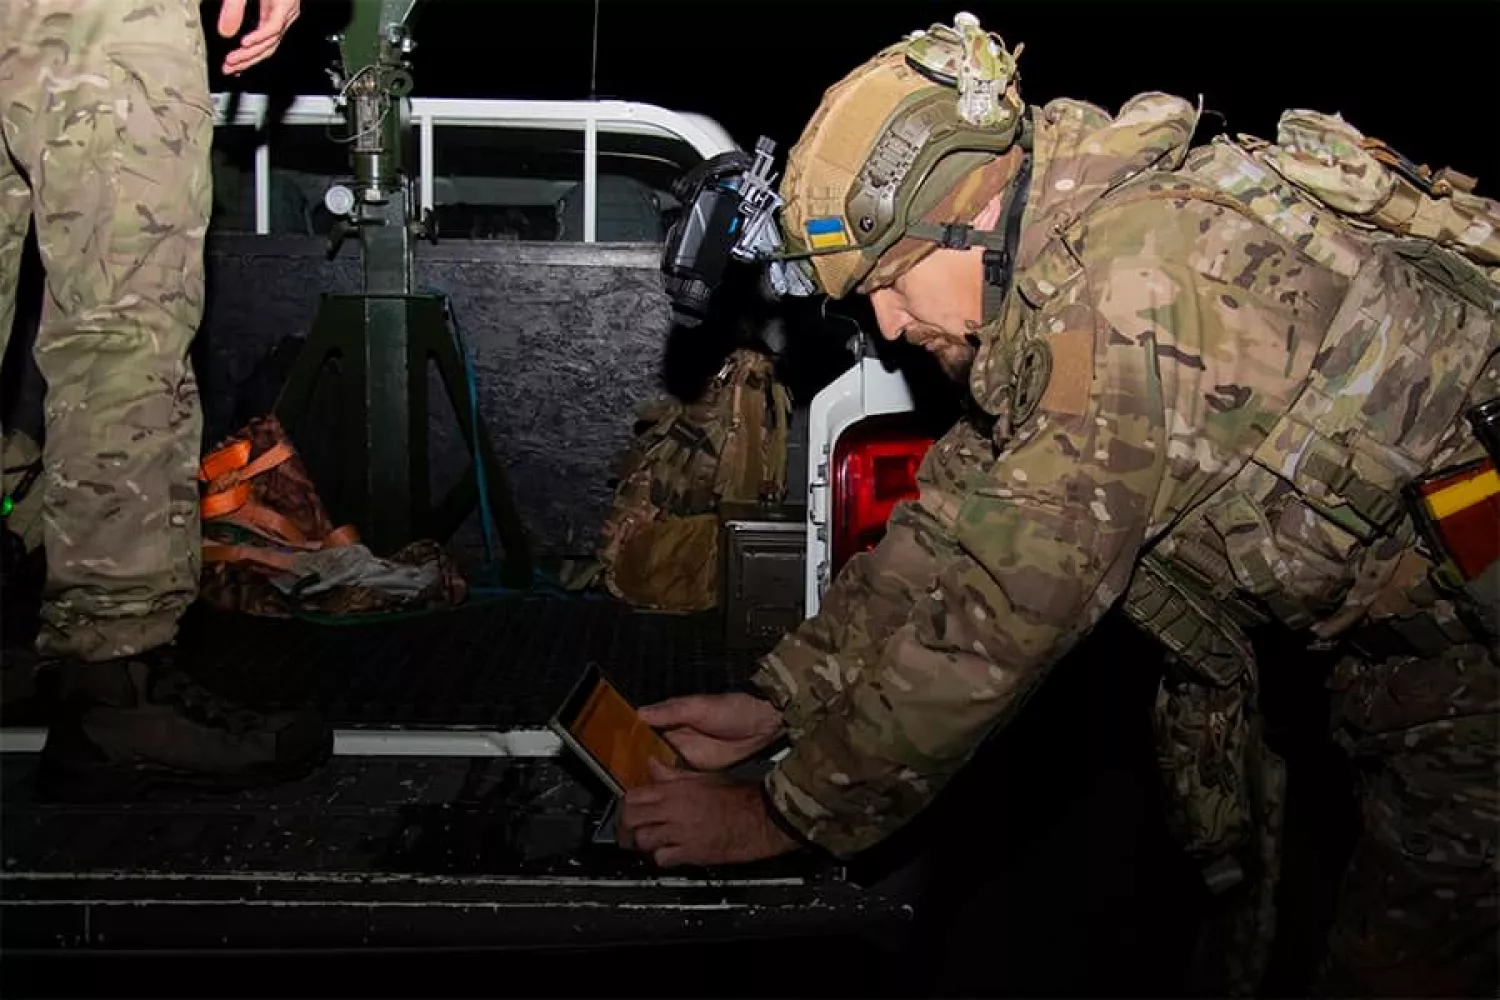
{"x": 826, "y": 233}
{"x": 1072, "y": 373}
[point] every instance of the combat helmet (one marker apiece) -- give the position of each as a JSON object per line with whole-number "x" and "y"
{"x": 906, "y": 134}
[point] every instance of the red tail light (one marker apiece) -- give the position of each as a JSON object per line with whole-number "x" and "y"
{"x": 874, "y": 468}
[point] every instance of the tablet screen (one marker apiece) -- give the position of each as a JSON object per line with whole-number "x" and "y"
{"x": 610, "y": 731}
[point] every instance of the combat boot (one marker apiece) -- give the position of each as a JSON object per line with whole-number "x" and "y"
{"x": 122, "y": 729}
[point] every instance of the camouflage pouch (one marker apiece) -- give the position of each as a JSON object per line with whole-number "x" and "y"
{"x": 670, "y": 565}
{"x": 658, "y": 548}
{"x": 270, "y": 548}
{"x": 1226, "y": 792}
{"x": 1365, "y": 180}
{"x": 1225, "y": 789}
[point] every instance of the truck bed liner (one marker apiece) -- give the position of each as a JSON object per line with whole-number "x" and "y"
{"x": 373, "y": 851}
{"x": 505, "y": 662}
{"x": 501, "y": 663}
{"x": 378, "y": 852}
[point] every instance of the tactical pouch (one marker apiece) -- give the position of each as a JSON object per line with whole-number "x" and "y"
{"x": 1224, "y": 787}
{"x": 1225, "y": 797}
{"x": 659, "y": 547}
{"x": 1366, "y": 180}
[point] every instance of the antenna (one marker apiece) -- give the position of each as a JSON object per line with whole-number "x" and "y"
{"x": 594, "y": 59}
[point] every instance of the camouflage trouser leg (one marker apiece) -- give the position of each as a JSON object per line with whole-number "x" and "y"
{"x": 1225, "y": 806}
{"x": 15, "y": 223}
{"x": 1418, "y": 912}
{"x": 106, "y": 115}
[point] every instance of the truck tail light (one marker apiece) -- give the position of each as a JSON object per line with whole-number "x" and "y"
{"x": 874, "y": 468}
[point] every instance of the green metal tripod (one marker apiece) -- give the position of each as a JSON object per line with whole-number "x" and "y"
{"x": 387, "y": 335}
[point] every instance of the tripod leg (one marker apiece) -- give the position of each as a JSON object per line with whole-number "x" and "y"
{"x": 337, "y": 331}
{"x": 433, "y": 339}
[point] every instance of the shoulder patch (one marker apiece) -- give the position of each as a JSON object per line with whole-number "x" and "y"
{"x": 1072, "y": 373}
{"x": 1033, "y": 374}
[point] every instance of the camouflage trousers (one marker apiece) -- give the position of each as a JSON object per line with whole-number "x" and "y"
{"x": 107, "y": 124}
{"x": 1419, "y": 914}
{"x": 1417, "y": 911}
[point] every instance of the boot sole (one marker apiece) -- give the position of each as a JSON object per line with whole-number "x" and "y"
{"x": 102, "y": 783}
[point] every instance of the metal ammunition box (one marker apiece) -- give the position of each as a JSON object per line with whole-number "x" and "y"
{"x": 763, "y": 548}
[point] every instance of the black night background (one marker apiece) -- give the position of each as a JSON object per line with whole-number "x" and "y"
{"x": 1417, "y": 75}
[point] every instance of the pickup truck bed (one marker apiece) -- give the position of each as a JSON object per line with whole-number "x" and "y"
{"x": 446, "y": 819}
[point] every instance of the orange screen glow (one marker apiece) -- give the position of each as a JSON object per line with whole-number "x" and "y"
{"x": 611, "y": 730}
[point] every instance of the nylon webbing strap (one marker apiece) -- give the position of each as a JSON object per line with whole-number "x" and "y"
{"x": 1422, "y": 635}
{"x": 1164, "y": 608}
{"x": 1379, "y": 509}
{"x": 999, "y": 245}
{"x": 1000, "y": 265}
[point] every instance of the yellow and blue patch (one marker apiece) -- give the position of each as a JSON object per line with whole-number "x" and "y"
{"x": 826, "y": 233}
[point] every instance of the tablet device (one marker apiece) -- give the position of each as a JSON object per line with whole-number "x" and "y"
{"x": 601, "y": 727}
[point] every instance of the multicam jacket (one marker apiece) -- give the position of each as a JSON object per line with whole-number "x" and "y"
{"x": 1204, "y": 322}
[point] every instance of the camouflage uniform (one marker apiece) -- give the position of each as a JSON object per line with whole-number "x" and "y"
{"x": 107, "y": 123}
{"x": 1188, "y": 302}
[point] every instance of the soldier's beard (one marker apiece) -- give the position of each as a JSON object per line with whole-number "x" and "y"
{"x": 954, "y": 354}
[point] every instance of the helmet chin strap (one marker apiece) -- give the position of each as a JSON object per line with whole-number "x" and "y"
{"x": 999, "y": 243}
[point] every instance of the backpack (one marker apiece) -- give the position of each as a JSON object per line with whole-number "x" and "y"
{"x": 270, "y": 548}
{"x": 659, "y": 546}
{"x": 1420, "y": 251}
{"x": 1372, "y": 186}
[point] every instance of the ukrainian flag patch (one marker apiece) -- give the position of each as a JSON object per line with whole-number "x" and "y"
{"x": 826, "y": 232}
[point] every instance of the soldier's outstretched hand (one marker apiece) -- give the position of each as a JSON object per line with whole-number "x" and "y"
{"x": 276, "y": 16}
{"x": 713, "y": 731}
{"x": 691, "y": 818}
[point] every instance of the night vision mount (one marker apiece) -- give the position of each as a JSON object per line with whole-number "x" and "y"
{"x": 729, "y": 214}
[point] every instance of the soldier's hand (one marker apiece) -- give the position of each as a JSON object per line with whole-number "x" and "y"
{"x": 691, "y": 818}
{"x": 276, "y": 16}
{"x": 713, "y": 731}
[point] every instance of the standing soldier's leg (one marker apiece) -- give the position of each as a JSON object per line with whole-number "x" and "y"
{"x": 1418, "y": 912}
{"x": 15, "y": 194}
{"x": 109, "y": 115}
{"x": 119, "y": 163}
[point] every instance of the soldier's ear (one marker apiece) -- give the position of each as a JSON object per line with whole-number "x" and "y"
{"x": 989, "y": 216}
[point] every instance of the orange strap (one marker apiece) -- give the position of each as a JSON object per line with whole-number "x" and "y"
{"x": 217, "y": 505}
{"x": 269, "y": 459}
{"x": 235, "y": 507}
{"x": 224, "y": 461}
{"x": 231, "y": 465}
{"x": 265, "y": 521}
{"x": 232, "y": 500}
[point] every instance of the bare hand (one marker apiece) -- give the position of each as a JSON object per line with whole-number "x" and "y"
{"x": 713, "y": 731}
{"x": 276, "y": 16}
{"x": 691, "y": 818}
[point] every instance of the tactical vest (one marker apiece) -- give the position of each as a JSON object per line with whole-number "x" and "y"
{"x": 659, "y": 546}
{"x": 1310, "y": 532}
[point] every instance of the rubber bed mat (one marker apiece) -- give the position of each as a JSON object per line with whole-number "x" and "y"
{"x": 493, "y": 663}
{"x": 379, "y": 851}
{"x": 403, "y": 851}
